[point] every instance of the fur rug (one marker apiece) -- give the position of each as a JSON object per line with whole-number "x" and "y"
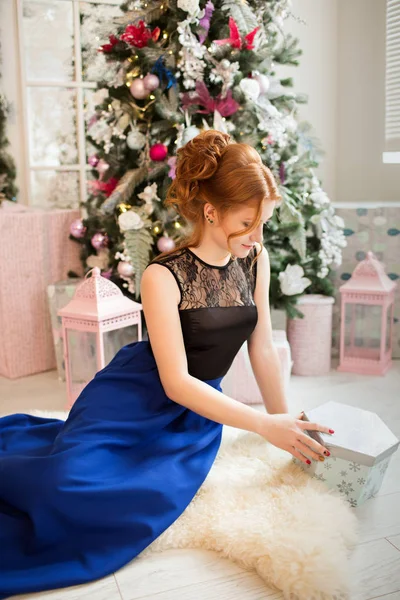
{"x": 261, "y": 510}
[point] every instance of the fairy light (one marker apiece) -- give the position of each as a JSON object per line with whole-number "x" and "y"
{"x": 165, "y": 35}
{"x": 177, "y": 225}
{"x": 151, "y": 97}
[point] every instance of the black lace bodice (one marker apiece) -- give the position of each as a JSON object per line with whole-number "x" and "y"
{"x": 216, "y": 308}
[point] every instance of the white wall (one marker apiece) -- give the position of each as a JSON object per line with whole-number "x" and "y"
{"x": 342, "y": 70}
{"x": 316, "y": 77}
{"x": 360, "y": 174}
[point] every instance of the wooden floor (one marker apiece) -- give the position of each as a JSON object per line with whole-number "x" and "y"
{"x": 202, "y": 575}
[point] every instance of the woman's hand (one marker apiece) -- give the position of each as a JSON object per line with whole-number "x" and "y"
{"x": 287, "y": 432}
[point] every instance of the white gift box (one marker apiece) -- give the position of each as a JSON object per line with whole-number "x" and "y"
{"x": 239, "y": 382}
{"x": 361, "y": 449}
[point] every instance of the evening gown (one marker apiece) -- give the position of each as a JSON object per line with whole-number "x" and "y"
{"x": 81, "y": 498}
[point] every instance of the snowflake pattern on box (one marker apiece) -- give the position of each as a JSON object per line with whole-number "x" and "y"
{"x": 376, "y": 229}
{"x": 354, "y": 482}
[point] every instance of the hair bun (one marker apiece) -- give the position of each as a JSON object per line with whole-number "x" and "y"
{"x": 199, "y": 158}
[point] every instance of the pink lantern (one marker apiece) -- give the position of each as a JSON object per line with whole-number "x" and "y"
{"x": 367, "y": 303}
{"x": 94, "y": 322}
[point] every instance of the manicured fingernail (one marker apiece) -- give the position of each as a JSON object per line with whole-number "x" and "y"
{"x": 309, "y": 462}
{"x": 321, "y": 458}
{"x": 331, "y": 431}
{"x": 327, "y": 453}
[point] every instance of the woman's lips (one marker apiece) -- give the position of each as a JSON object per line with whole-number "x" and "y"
{"x": 248, "y": 247}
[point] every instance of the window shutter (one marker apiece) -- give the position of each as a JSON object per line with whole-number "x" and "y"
{"x": 392, "y": 79}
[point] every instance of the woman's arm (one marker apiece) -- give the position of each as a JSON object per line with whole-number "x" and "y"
{"x": 160, "y": 298}
{"x": 263, "y": 355}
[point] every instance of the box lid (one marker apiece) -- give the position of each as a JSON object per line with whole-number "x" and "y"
{"x": 360, "y": 435}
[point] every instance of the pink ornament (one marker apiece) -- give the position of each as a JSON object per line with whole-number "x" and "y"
{"x": 125, "y": 269}
{"x": 138, "y": 89}
{"x": 93, "y": 160}
{"x": 165, "y": 244}
{"x": 151, "y": 82}
{"x": 77, "y": 229}
{"x": 172, "y": 164}
{"x": 102, "y": 166}
{"x": 99, "y": 240}
{"x": 158, "y": 152}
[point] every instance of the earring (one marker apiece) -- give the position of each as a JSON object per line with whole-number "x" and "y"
{"x": 209, "y": 220}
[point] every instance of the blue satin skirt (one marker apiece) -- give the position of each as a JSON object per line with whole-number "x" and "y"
{"x": 80, "y": 499}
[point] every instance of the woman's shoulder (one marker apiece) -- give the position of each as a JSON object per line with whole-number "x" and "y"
{"x": 169, "y": 259}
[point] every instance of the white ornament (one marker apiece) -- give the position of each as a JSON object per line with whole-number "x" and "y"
{"x": 189, "y": 133}
{"x": 190, "y": 6}
{"x": 250, "y": 87}
{"x": 149, "y": 193}
{"x": 263, "y": 82}
{"x": 135, "y": 139}
{"x": 292, "y": 280}
{"x": 130, "y": 220}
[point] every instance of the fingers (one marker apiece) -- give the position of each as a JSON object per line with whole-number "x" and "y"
{"x": 309, "y": 451}
{"x": 299, "y": 455}
{"x": 315, "y": 427}
{"x": 313, "y": 444}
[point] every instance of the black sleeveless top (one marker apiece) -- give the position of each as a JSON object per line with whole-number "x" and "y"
{"x": 217, "y": 309}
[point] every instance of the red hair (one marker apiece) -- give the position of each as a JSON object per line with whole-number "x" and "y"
{"x": 214, "y": 168}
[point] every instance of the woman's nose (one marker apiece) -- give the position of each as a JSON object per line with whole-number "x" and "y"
{"x": 257, "y": 235}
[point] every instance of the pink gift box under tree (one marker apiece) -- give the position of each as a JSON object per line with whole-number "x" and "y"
{"x": 35, "y": 250}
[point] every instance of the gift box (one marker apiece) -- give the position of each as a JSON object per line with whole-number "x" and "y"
{"x": 361, "y": 449}
{"x": 59, "y": 295}
{"x": 35, "y": 250}
{"x": 240, "y": 383}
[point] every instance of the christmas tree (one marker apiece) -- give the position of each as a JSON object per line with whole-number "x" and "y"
{"x": 173, "y": 68}
{"x": 8, "y": 189}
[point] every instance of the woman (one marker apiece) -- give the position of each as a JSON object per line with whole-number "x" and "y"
{"x": 81, "y": 498}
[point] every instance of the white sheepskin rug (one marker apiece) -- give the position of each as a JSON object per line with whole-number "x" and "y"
{"x": 261, "y": 510}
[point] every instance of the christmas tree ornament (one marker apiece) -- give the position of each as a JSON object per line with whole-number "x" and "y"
{"x": 140, "y": 36}
{"x": 125, "y": 269}
{"x": 158, "y": 152}
{"x": 135, "y": 140}
{"x": 151, "y": 82}
{"x": 250, "y": 87}
{"x": 99, "y": 240}
{"x": 165, "y": 244}
{"x": 263, "y": 82}
{"x": 130, "y": 220}
{"x": 235, "y": 39}
{"x": 190, "y": 6}
{"x": 172, "y": 164}
{"x": 189, "y": 133}
{"x": 102, "y": 166}
{"x": 204, "y": 23}
{"x": 93, "y": 160}
{"x": 138, "y": 89}
{"x": 77, "y": 229}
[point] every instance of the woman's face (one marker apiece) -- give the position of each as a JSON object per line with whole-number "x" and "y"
{"x": 240, "y": 219}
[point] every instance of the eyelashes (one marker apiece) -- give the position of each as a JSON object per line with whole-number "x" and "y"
{"x": 265, "y": 225}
